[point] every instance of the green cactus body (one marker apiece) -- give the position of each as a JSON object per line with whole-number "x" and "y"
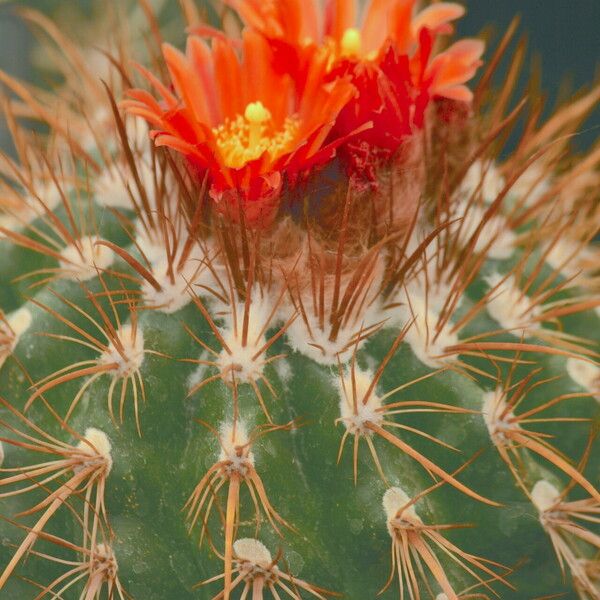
{"x": 384, "y": 388}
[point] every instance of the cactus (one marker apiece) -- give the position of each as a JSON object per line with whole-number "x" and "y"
{"x": 282, "y": 317}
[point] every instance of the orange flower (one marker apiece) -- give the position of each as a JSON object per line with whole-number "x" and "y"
{"x": 241, "y": 122}
{"x": 297, "y": 23}
{"x": 388, "y": 57}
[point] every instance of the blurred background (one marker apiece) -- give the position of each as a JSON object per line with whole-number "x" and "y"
{"x": 563, "y": 39}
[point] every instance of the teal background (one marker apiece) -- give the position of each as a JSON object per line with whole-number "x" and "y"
{"x": 562, "y": 38}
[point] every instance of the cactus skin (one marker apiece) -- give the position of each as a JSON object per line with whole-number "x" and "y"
{"x": 325, "y": 516}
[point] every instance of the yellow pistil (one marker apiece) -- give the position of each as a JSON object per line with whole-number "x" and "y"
{"x": 248, "y": 137}
{"x": 351, "y": 44}
{"x": 256, "y": 115}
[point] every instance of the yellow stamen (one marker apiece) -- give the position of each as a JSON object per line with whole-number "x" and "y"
{"x": 248, "y": 137}
{"x": 351, "y": 43}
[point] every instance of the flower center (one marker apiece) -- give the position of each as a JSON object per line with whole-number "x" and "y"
{"x": 351, "y": 44}
{"x": 248, "y": 137}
